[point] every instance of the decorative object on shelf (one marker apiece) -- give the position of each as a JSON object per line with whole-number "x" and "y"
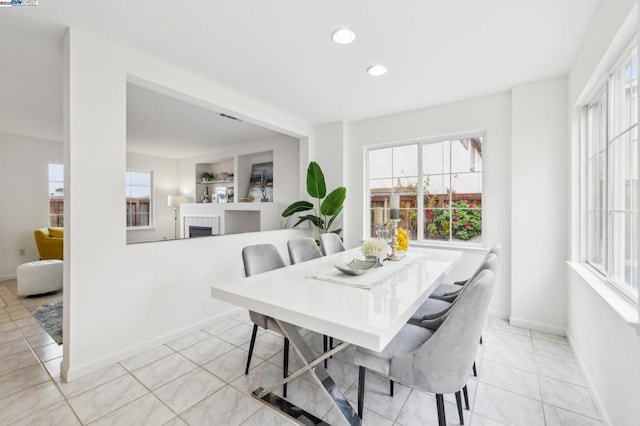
{"x": 402, "y": 240}
{"x": 221, "y": 194}
{"x": 230, "y": 194}
{"x": 394, "y": 238}
{"x": 206, "y": 177}
{"x": 375, "y": 249}
{"x": 329, "y": 206}
{"x": 261, "y": 182}
{"x": 204, "y": 198}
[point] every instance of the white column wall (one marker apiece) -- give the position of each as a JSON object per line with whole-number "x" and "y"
{"x": 121, "y": 299}
{"x": 488, "y": 113}
{"x": 539, "y": 190}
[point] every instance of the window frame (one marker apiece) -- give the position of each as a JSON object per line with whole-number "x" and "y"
{"x": 604, "y": 87}
{"x": 152, "y": 209}
{"x": 420, "y": 142}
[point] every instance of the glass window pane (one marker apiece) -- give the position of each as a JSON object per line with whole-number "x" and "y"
{"x": 466, "y": 155}
{"x": 140, "y": 191}
{"x": 406, "y": 185}
{"x": 595, "y": 239}
{"x": 435, "y": 158}
{"x": 437, "y": 184}
{"x": 376, "y": 184}
{"x": 140, "y": 178}
{"x": 466, "y": 222}
{"x": 56, "y": 172}
{"x": 405, "y": 161}
{"x": 623, "y": 173}
{"x": 380, "y": 161}
{"x": 56, "y": 189}
{"x": 436, "y": 224}
{"x": 624, "y": 266}
{"x": 597, "y": 127}
{"x": 467, "y": 183}
{"x": 623, "y": 89}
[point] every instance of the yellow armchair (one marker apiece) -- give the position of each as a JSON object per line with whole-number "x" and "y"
{"x": 50, "y": 242}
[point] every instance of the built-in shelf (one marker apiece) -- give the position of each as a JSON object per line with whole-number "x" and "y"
{"x": 237, "y": 186}
{"x": 209, "y": 182}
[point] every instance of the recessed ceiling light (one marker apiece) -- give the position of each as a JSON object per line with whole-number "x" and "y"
{"x": 343, "y": 36}
{"x": 377, "y": 70}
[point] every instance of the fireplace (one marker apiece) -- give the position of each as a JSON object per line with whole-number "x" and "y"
{"x": 201, "y": 226}
{"x": 199, "y": 231}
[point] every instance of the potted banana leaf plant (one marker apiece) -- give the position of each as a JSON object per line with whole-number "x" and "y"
{"x": 328, "y": 207}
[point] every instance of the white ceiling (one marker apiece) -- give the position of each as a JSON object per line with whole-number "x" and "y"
{"x": 280, "y": 51}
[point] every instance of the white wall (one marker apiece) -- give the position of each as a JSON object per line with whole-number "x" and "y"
{"x": 329, "y": 152}
{"x": 24, "y": 185}
{"x": 538, "y": 190}
{"x": 607, "y": 348}
{"x": 165, "y": 182}
{"x": 329, "y": 147}
{"x": 489, "y": 113}
{"x": 125, "y": 298}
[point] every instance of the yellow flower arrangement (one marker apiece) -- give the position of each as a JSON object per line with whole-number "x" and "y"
{"x": 403, "y": 240}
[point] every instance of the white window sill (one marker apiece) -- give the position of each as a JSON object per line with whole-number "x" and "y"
{"x": 140, "y": 228}
{"x": 627, "y": 310}
{"x": 447, "y": 245}
{"x": 451, "y": 245}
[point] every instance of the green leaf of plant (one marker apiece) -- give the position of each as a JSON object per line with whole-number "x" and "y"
{"x": 311, "y": 218}
{"x": 334, "y": 201}
{"x": 297, "y": 207}
{"x": 337, "y": 231}
{"x": 316, "y": 186}
{"x": 333, "y": 218}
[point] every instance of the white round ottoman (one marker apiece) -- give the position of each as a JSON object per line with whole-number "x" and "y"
{"x": 42, "y": 276}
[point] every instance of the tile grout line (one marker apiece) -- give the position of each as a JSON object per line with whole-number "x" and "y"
{"x": 236, "y": 346}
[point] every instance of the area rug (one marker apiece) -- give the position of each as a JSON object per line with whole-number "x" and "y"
{"x": 50, "y": 318}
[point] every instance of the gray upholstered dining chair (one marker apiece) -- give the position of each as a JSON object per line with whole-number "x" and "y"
{"x": 330, "y": 243}
{"x": 434, "y": 361}
{"x": 434, "y": 308}
{"x": 449, "y": 291}
{"x": 258, "y": 259}
{"x": 301, "y": 250}
{"x": 433, "y": 311}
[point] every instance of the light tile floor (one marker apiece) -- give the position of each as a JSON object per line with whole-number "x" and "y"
{"x": 524, "y": 378}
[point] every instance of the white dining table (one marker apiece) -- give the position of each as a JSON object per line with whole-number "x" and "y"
{"x": 366, "y": 311}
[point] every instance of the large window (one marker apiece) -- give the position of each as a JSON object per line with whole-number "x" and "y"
{"x": 56, "y": 194}
{"x": 139, "y": 189}
{"x": 439, "y": 183}
{"x": 612, "y": 175}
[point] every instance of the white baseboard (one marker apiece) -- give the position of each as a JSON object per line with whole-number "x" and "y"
{"x": 499, "y": 314}
{"x": 597, "y": 401}
{"x": 7, "y": 277}
{"x": 74, "y": 373}
{"x": 538, "y": 326}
